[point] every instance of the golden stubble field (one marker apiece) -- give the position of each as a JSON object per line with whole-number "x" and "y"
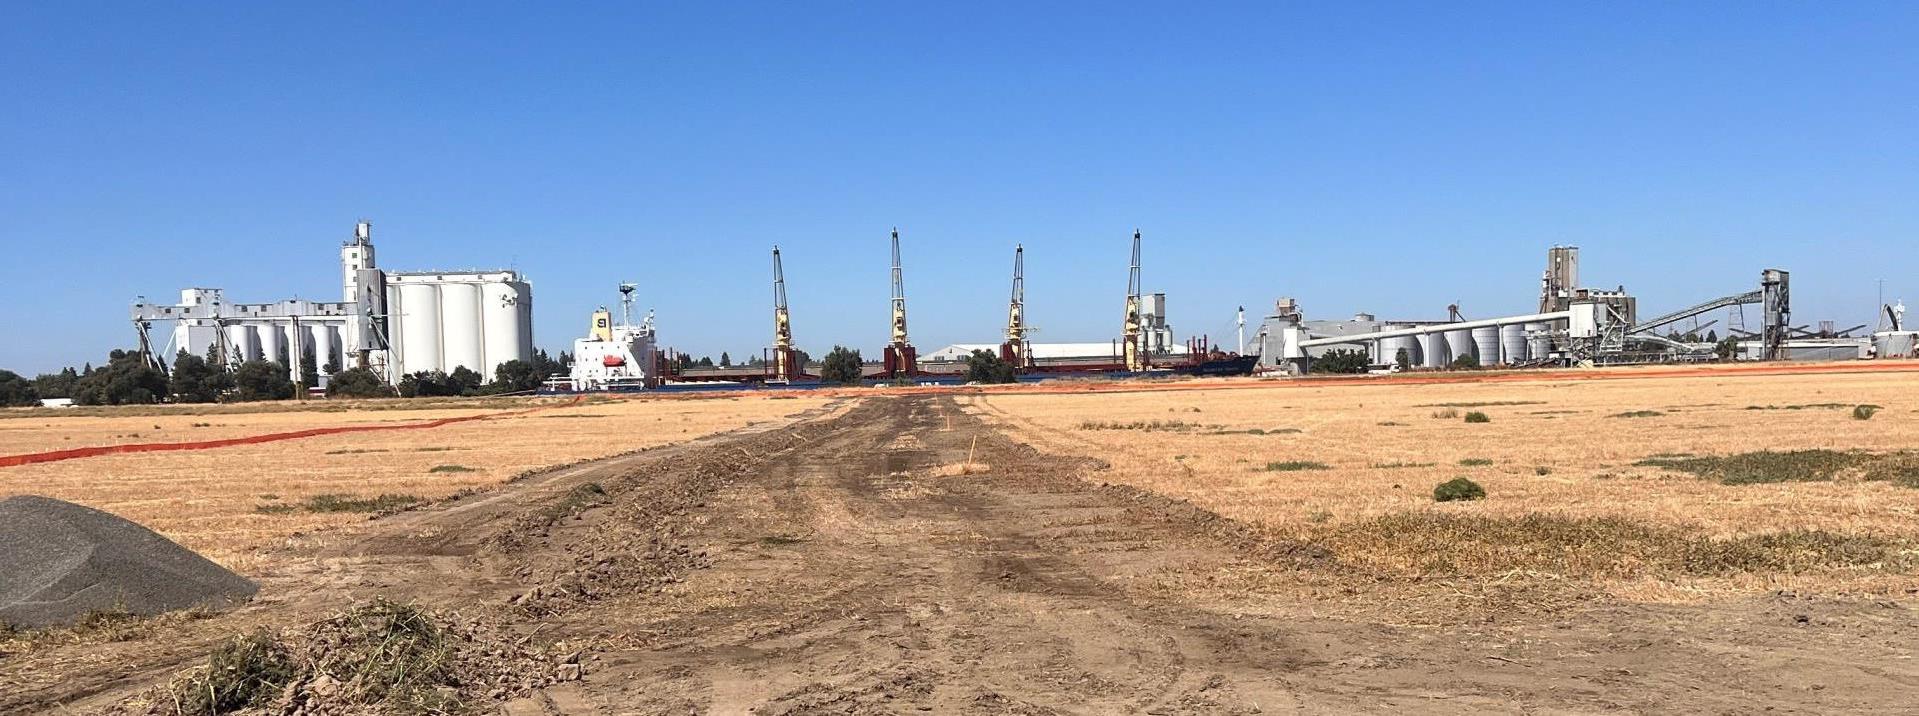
{"x": 229, "y": 503}
{"x": 1348, "y": 471}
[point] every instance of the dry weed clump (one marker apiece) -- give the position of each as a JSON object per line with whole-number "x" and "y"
{"x": 380, "y": 657}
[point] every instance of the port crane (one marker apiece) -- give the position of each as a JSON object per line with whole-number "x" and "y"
{"x": 1016, "y": 350}
{"x": 785, "y": 364}
{"x": 901, "y": 359}
{"x": 1133, "y": 337}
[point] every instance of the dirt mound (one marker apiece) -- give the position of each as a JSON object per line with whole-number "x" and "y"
{"x": 59, "y": 560}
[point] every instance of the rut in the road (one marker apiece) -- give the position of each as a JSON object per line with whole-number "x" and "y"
{"x": 863, "y": 571}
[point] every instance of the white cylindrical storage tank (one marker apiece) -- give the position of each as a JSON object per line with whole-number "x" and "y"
{"x": 419, "y": 327}
{"x": 1486, "y": 344}
{"x": 273, "y": 342}
{"x": 1460, "y": 343}
{"x": 524, "y": 292}
{"x": 1433, "y": 350}
{"x": 1539, "y": 340}
{"x": 241, "y": 345}
{"x": 325, "y": 346}
{"x": 1512, "y": 344}
{"x": 460, "y": 328}
{"x": 500, "y": 324}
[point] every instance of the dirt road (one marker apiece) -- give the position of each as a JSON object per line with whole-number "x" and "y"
{"x": 861, "y": 562}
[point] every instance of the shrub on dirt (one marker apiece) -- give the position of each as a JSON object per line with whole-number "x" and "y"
{"x": 1458, "y": 489}
{"x": 1864, "y": 412}
{"x": 357, "y": 383}
{"x": 1764, "y": 466}
{"x": 987, "y": 367}
{"x": 1477, "y": 417}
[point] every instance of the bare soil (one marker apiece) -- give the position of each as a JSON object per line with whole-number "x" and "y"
{"x": 904, "y": 557}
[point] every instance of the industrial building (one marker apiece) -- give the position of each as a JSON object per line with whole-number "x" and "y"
{"x": 391, "y": 322}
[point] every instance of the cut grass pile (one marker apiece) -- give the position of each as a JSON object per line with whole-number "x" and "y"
{"x": 1458, "y": 489}
{"x": 1475, "y": 462}
{"x": 344, "y": 503}
{"x": 1296, "y": 466}
{"x": 380, "y": 657}
{"x": 1428, "y": 544}
{"x": 1140, "y": 425}
{"x": 453, "y": 468}
{"x": 1481, "y": 404}
{"x": 1809, "y": 406}
{"x": 1765, "y": 466}
{"x": 1638, "y": 414}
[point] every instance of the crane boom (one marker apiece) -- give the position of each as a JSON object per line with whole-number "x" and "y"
{"x": 901, "y": 359}
{"x": 1015, "y": 349}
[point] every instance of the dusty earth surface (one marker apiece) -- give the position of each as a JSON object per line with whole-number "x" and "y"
{"x": 896, "y": 555}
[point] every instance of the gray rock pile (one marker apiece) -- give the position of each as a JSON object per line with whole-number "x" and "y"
{"x": 59, "y": 560}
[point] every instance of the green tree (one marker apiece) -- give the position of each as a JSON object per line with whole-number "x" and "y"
{"x": 56, "y": 385}
{"x": 843, "y": 366}
{"x": 1466, "y": 362}
{"x": 1727, "y": 349}
{"x": 16, "y": 390}
{"x": 546, "y": 367}
{"x": 125, "y": 379}
{"x": 309, "y": 368}
{"x": 196, "y": 381}
{"x": 515, "y": 376}
{"x": 726, "y": 361}
{"x": 986, "y": 367}
{"x": 357, "y": 383}
{"x": 262, "y": 380}
{"x": 1344, "y": 361}
{"x": 1403, "y": 359}
{"x": 466, "y": 381}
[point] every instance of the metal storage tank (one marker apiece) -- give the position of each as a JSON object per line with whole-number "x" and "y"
{"x": 460, "y": 343}
{"x": 1460, "y": 343}
{"x": 1512, "y": 344}
{"x": 419, "y": 338}
{"x": 1486, "y": 343}
{"x": 501, "y": 325}
{"x": 1433, "y": 350}
{"x": 1539, "y": 340}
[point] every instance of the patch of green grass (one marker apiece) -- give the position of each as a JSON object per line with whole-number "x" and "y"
{"x": 1763, "y": 467}
{"x": 1477, "y": 417}
{"x": 277, "y": 508}
{"x": 1475, "y": 462}
{"x": 1458, "y": 489}
{"x": 453, "y": 468}
{"x": 1295, "y": 466}
{"x": 1864, "y": 412}
{"x": 1637, "y": 414}
{"x": 781, "y": 540}
{"x": 1900, "y": 469}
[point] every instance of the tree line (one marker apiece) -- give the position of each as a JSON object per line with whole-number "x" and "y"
{"x": 127, "y": 379}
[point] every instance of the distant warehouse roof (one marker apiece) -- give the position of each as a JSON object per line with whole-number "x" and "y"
{"x": 1041, "y": 351}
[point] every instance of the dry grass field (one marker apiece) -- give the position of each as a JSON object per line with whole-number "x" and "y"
{"x": 228, "y": 503}
{"x": 1613, "y": 488}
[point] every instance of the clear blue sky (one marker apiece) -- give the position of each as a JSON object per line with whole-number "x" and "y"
{"x": 1383, "y": 157}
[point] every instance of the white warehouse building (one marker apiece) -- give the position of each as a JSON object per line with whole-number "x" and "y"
{"x": 393, "y": 323}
